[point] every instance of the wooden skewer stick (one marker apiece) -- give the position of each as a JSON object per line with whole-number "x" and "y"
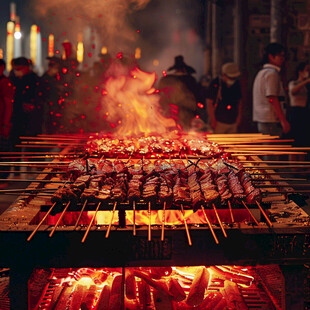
{"x": 80, "y": 215}
{"x": 274, "y": 162}
{"x": 231, "y": 212}
{"x": 186, "y": 227}
{"x": 109, "y": 228}
{"x": 256, "y": 222}
{"x": 150, "y": 222}
{"x": 210, "y": 226}
{"x": 59, "y": 219}
{"x": 219, "y": 220}
{"x": 134, "y": 217}
{"x": 34, "y": 180}
{"x": 264, "y": 214}
{"x": 33, "y": 172}
{"x": 41, "y": 222}
{"x": 91, "y": 223}
{"x": 163, "y": 222}
{"x": 278, "y": 180}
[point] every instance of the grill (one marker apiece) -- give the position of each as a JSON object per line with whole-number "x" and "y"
{"x": 271, "y": 233}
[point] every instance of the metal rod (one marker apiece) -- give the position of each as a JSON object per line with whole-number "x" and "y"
{"x": 219, "y": 220}
{"x": 149, "y": 238}
{"x": 41, "y": 222}
{"x": 264, "y": 213}
{"x": 186, "y": 227}
{"x": 59, "y": 219}
{"x": 256, "y": 222}
{"x": 110, "y": 224}
{"x": 134, "y": 217}
{"x": 230, "y": 211}
{"x": 80, "y": 215}
{"x": 91, "y": 223}
{"x": 210, "y": 226}
{"x": 163, "y": 223}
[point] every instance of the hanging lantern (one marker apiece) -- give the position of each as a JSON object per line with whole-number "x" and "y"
{"x": 33, "y": 43}
{"x": 10, "y": 44}
{"x": 51, "y": 45}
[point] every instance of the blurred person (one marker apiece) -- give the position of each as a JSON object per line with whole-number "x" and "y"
{"x": 52, "y": 95}
{"x": 6, "y": 107}
{"x": 224, "y": 103}
{"x": 179, "y": 93}
{"x": 299, "y": 112}
{"x": 27, "y": 110}
{"x": 269, "y": 95}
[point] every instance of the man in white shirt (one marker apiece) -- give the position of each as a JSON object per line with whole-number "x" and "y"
{"x": 267, "y": 93}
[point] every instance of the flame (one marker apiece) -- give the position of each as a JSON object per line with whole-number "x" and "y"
{"x": 131, "y": 103}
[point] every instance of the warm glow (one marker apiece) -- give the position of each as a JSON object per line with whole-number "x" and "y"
{"x": 33, "y": 43}
{"x": 104, "y": 50}
{"x": 17, "y": 34}
{"x": 155, "y": 62}
{"x": 131, "y": 103}
{"x": 80, "y": 52}
{"x": 1, "y": 53}
{"x": 138, "y": 53}
{"x": 87, "y": 281}
{"x": 9, "y": 44}
{"x": 51, "y": 45}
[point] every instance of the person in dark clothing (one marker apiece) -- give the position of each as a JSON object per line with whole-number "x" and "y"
{"x": 6, "y": 96}
{"x": 52, "y": 95}
{"x": 224, "y": 100}
{"x": 27, "y": 110}
{"x": 178, "y": 94}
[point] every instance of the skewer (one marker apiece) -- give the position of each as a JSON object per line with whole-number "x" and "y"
{"x": 59, "y": 219}
{"x": 80, "y": 215}
{"x": 33, "y": 180}
{"x": 109, "y": 228}
{"x": 150, "y": 222}
{"x": 250, "y": 213}
{"x": 186, "y": 227}
{"x": 210, "y": 226}
{"x": 41, "y": 222}
{"x": 26, "y": 190}
{"x": 275, "y": 167}
{"x": 163, "y": 222}
{"x": 281, "y": 185}
{"x": 40, "y": 157}
{"x": 264, "y": 213}
{"x": 134, "y": 217}
{"x": 91, "y": 223}
{"x": 3, "y": 163}
{"x": 33, "y": 172}
{"x": 219, "y": 220}
{"x": 278, "y": 180}
{"x": 230, "y": 211}
{"x": 274, "y": 162}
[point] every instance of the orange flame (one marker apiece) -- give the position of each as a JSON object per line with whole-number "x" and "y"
{"x": 131, "y": 104}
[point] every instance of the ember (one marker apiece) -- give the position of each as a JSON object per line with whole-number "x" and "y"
{"x": 198, "y": 287}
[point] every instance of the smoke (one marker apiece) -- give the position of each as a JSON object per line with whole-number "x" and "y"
{"x": 106, "y": 20}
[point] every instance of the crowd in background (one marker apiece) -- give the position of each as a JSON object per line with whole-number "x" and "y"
{"x": 67, "y": 100}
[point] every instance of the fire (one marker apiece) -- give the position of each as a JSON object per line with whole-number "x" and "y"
{"x": 132, "y": 103}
